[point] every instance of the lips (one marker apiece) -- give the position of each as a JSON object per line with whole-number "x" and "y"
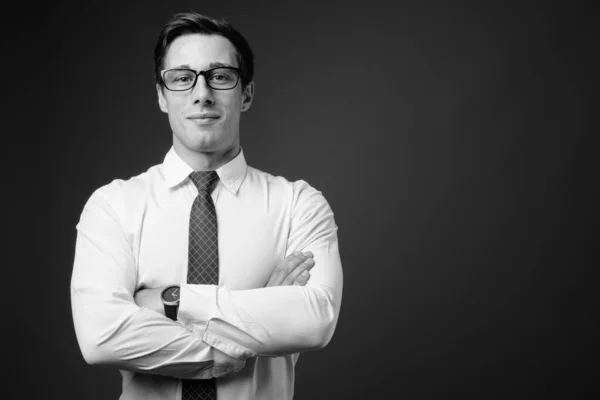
{"x": 204, "y": 116}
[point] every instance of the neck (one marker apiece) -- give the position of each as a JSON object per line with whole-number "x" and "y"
{"x": 206, "y": 161}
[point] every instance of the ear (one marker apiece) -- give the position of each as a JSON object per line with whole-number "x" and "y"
{"x": 247, "y": 96}
{"x": 162, "y": 102}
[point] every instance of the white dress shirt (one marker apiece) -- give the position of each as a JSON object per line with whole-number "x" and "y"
{"x": 133, "y": 234}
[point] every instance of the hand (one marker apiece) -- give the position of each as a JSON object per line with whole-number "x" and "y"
{"x": 293, "y": 270}
{"x": 150, "y": 299}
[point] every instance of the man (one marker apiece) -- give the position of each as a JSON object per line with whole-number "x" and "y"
{"x": 232, "y": 245}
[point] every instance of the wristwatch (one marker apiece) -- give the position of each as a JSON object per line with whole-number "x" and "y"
{"x": 170, "y": 298}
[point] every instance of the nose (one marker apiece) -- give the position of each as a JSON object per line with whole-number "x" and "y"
{"x": 202, "y": 93}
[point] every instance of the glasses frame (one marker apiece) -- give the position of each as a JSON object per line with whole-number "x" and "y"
{"x": 203, "y": 73}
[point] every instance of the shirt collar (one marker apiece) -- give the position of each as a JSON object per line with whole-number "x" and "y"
{"x": 231, "y": 174}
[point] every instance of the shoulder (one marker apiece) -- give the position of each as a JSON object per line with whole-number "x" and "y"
{"x": 121, "y": 194}
{"x": 299, "y": 195}
{"x": 278, "y": 183}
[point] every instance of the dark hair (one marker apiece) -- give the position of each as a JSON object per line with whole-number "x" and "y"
{"x": 191, "y": 22}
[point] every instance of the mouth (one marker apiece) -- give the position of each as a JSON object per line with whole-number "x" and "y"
{"x": 203, "y": 117}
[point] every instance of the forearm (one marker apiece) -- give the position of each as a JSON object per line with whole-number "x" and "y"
{"x": 111, "y": 329}
{"x": 268, "y": 321}
{"x": 115, "y": 332}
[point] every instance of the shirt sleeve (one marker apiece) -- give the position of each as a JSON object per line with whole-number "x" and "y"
{"x": 111, "y": 329}
{"x": 280, "y": 320}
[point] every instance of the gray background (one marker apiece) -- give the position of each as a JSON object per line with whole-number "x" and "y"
{"x": 453, "y": 142}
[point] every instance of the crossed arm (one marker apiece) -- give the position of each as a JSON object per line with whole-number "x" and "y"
{"x": 293, "y": 270}
{"x": 112, "y": 321}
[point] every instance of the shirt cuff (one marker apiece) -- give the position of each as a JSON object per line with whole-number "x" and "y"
{"x": 213, "y": 336}
{"x": 196, "y": 307}
{"x": 208, "y": 312}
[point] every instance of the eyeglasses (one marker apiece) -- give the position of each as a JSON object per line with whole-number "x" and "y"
{"x": 219, "y": 78}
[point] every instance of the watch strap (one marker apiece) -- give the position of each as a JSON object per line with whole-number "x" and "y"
{"x": 171, "y": 311}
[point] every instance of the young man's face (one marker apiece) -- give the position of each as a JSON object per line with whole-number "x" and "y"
{"x": 203, "y": 120}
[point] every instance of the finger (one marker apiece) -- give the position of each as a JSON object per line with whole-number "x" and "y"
{"x": 305, "y": 266}
{"x": 291, "y": 262}
{"x": 302, "y": 279}
{"x": 285, "y": 268}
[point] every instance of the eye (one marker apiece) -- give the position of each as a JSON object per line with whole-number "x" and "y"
{"x": 219, "y": 78}
{"x": 183, "y": 79}
{"x": 177, "y": 78}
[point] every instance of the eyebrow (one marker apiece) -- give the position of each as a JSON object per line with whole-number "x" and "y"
{"x": 211, "y": 65}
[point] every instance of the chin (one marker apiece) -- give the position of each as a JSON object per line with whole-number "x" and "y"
{"x": 203, "y": 141}
{"x": 206, "y": 147}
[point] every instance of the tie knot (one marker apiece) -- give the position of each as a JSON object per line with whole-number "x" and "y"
{"x": 204, "y": 180}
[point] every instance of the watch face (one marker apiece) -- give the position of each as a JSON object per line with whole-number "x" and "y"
{"x": 171, "y": 294}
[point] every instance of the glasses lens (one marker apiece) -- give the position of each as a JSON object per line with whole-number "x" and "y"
{"x": 179, "y": 79}
{"x": 222, "y": 78}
